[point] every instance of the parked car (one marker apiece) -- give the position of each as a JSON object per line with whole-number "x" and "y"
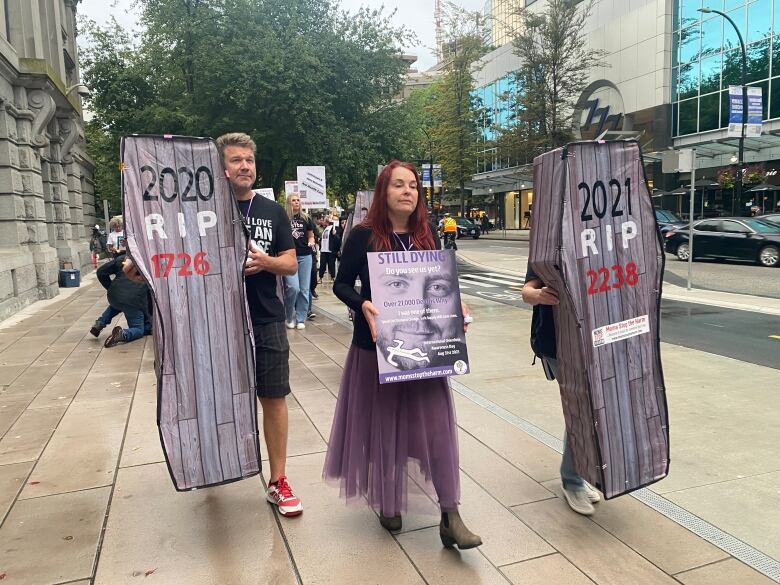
{"x": 668, "y": 220}
{"x": 466, "y": 227}
{"x": 733, "y": 238}
{"x": 771, "y": 217}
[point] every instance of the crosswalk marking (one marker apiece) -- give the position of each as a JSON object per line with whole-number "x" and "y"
{"x": 518, "y": 279}
{"x": 481, "y": 278}
{"x": 476, "y": 283}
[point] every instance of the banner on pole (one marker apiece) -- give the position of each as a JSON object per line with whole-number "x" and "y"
{"x": 754, "y": 112}
{"x": 426, "y": 175}
{"x": 311, "y": 187}
{"x": 420, "y": 323}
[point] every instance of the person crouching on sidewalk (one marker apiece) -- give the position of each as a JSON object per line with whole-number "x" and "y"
{"x": 124, "y": 296}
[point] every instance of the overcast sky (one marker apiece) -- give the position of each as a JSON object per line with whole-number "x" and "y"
{"x": 415, "y": 14}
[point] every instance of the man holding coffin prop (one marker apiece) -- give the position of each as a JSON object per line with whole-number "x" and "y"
{"x": 595, "y": 271}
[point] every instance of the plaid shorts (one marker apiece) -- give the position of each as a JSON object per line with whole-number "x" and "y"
{"x": 272, "y": 359}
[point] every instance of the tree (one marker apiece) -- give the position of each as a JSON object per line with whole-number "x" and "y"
{"x": 556, "y": 63}
{"x": 454, "y": 109}
{"x": 310, "y": 83}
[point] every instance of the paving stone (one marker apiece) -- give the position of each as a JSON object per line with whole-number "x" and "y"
{"x": 224, "y": 534}
{"x": 12, "y": 479}
{"x": 319, "y": 404}
{"x": 440, "y": 566}
{"x": 549, "y": 570}
{"x": 595, "y": 552}
{"x": 53, "y": 539}
{"x": 335, "y": 543}
{"x": 501, "y": 479}
{"x": 654, "y": 536}
{"x": 748, "y": 508}
{"x": 506, "y": 539}
{"x": 728, "y": 572}
{"x": 26, "y": 439}
{"x": 533, "y": 458}
{"x": 84, "y": 450}
{"x": 142, "y": 441}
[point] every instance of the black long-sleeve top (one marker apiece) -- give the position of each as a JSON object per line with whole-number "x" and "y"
{"x": 354, "y": 264}
{"x": 122, "y": 292}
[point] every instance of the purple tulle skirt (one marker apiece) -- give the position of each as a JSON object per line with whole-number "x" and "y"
{"x": 379, "y": 428}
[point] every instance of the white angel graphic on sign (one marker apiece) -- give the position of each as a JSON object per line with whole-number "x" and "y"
{"x": 398, "y": 350}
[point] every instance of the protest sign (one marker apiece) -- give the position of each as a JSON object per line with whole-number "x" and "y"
{"x": 311, "y": 187}
{"x": 268, "y": 193}
{"x": 595, "y": 240}
{"x": 420, "y": 323}
{"x": 186, "y": 235}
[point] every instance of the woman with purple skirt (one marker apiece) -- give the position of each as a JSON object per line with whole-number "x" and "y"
{"x": 377, "y": 428}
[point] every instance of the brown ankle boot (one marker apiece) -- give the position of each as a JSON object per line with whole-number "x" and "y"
{"x": 453, "y": 531}
{"x": 391, "y": 523}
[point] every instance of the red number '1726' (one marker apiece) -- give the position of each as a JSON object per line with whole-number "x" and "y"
{"x": 602, "y": 280}
{"x": 162, "y": 264}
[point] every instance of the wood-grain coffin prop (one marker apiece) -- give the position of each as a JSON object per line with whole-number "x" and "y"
{"x": 595, "y": 240}
{"x": 185, "y": 233}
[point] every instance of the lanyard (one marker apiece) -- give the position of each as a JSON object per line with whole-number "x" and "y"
{"x": 400, "y": 241}
{"x": 249, "y": 208}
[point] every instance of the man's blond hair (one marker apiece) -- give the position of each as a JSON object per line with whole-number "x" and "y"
{"x": 235, "y": 139}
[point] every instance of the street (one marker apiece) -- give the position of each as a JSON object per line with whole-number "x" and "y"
{"x": 743, "y": 335}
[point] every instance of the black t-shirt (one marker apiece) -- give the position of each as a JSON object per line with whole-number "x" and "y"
{"x": 542, "y": 324}
{"x": 270, "y": 229}
{"x": 299, "y": 228}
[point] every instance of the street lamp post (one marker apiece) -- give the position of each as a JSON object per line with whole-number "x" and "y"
{"x": 741, "y": 155}
{"x": 430, "y": 167}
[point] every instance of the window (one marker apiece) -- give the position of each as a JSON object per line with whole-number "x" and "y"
{"x": 689, "y": 113}
{"x": 759, "y": 21}
{"x": 710, "y": 73}
{"x": 733, "y": 227}
{"x": 774, "y": 109}
{"x": 758, "y": 61}
{"x": 709, "y": 110}
{"x": 709, "y": 225}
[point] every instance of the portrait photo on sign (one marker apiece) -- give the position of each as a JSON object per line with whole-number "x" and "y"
{"x": 420, "y": 324}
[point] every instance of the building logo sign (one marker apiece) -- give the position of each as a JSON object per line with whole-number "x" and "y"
{"x": 599, "y": 109}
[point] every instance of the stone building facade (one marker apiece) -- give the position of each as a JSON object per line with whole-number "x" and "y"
{"x": 46, "y": 178}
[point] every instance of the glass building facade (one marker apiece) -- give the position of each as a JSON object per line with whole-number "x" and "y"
{"x": 707, "y": 59}
{"x": 495, "y": 102}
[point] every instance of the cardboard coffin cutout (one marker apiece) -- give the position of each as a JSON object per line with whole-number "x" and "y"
{"x": 595, "y": 240}
{"x": 185, "y": 233}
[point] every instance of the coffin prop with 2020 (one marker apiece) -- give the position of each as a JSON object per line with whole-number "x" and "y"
{"x": 185, "y": 234}
{"x": 595, "y": 240}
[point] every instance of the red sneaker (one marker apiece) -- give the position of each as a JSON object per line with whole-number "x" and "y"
{"x": 280, "y": 494}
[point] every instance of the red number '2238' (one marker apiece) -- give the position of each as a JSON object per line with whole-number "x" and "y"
{"x": 162, "y": 264}
{"x": 602, "y": 280}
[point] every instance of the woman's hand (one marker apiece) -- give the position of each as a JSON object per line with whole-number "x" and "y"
{"x": 370, "y": 312}
{"x": 467, "y": 318}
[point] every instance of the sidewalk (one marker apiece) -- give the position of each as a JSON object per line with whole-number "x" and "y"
{"x": 85, "y": 496}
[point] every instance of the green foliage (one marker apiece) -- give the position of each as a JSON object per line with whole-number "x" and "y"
{"x": 452, "y": 107}
{"x": 310, "y": 83}
{"x": 556, "y": 63}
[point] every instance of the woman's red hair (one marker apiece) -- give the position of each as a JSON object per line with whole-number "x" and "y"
{"x": 378, "y": 220}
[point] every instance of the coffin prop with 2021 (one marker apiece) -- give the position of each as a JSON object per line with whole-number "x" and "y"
{"x": 595, "y": 240}
{"x": 185, "y": 234}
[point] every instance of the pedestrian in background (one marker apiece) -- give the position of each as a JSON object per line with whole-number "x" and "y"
{"x": 297, "y": 296}
{"x": 330, "y": 245}
{"x": 378, "y": 429}
{"x": 116, "y": 238}
{"x": 579, "y": 494}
